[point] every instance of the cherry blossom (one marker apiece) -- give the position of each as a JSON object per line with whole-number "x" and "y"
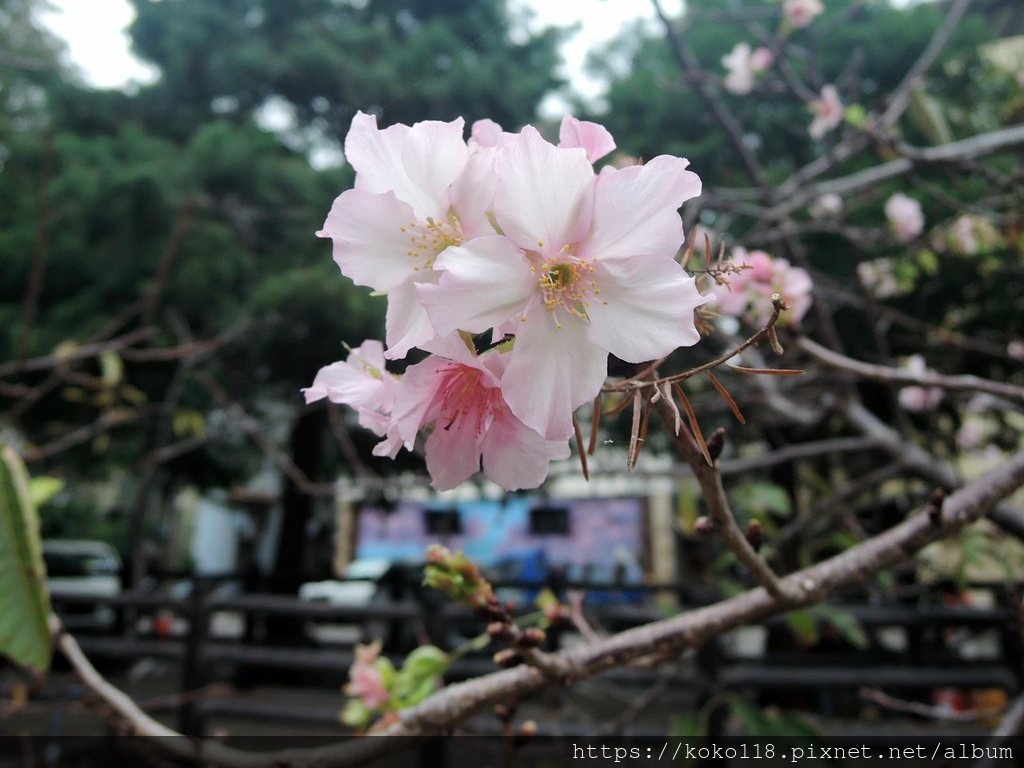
{"x": 405, "y": 209}
{"x": 360, "y": 382}
{"x": 585, "y": 266}
{"x": 828, "y": 112}
{"x": 459, "y": 393}
{"x": 906, "y": 220}
{"x": 919, "y": 399}
{"x": 366, "y": 682}
{"x": 829, "y": 204}
{"x": 878, "y": 278}
{"x": 744, "y": 65}
{"x": 800, "y": 13}
{"x": 750, "y": 290}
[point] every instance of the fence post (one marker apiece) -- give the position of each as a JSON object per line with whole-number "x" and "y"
{"x": 193, "y": 674}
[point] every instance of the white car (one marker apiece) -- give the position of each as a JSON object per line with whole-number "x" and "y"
{"x": 79, "y": 567}
{"x": 359, "y": 587}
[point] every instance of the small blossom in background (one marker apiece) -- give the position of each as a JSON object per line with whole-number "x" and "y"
{"x": 971, "y": 234}
{"x": 800, "y": 13}
{"x": 878, "y": 278}
{"x": 919, "y": 399}
{"x": 366, "y": 678}
{"x": 1015, "y": 349}
{"x": 828, "y": 112}
{"x": 749, "y": 292}
{"x": 906, "y": 219}
{"x": 827, "y": 205}
{"x": 743, "y": 65}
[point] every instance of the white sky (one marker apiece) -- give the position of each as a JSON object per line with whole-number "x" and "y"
{"x": 99, "y": 46}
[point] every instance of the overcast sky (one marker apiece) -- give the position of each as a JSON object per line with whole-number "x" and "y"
{"x": 98, "y": 44}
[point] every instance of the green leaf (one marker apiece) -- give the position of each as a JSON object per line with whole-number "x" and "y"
{"x": 418, "y": 677}
{"x": 111, "y": 368}
{"x": 804, "y": 627}
{"x": 24, "y": 599}
{"x": 356, "y": 714}
{"x": 845, "y": 623}
{"x": 42, "y": 489}
{"x": 856, "y": 116}
{"x": 758, "y": 499}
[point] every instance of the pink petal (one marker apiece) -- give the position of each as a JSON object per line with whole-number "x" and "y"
{"x": 453, "y": 454}
{"x": 417, "y": 163}
{"x": 594, "y": 138}
{"x": 487, "y": 133}
{"x": 636, "y": 209}
{"x": 472, "y": 194}
{"x": 552, "y": 372}
{"x": 376, "y": 155}
{"x": 434, "y": 156}
{"x": 483, "y": 283}
{"x": 544, "y": 195}
{"x": 369, "y": 245}
{"x": 407, "y": 323}
{"x": 515, "y": 456}
{"x": 646, "y": 308}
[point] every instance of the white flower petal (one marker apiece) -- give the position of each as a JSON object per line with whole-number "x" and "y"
{"x": 369, "y": 245}
{"x": 483, "y": 283}
{"x": 407, "y": 323}
{"x": 646, "y": 308}
{"x": 636, "y": 210}
{"x": 544, "y": 195}
{"x": 552, "y": 372}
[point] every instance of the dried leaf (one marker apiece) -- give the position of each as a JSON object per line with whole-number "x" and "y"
{"x": 694, "y": 425}
{"x": 579, "y": 447}
{"x": 728, "y": 398}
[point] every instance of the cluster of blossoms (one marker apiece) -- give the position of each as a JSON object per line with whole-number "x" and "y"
{"x": 744, "y": 65}
{"x": 969, "y": 235}
{"x": 800, "y": 13}
{"x": 758, "y": 277}
{"x": 879, "y": 279}
{"x": 514, "y": 237}
{"x": 828, "y": 112}
{"x": 906, "y": 219}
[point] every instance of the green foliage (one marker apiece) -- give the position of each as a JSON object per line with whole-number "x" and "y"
{"x": 24, "y": 599}
{"x": 409, "y": 60}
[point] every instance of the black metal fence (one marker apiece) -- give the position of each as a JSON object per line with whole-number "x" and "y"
{"x": 912, "y": 648}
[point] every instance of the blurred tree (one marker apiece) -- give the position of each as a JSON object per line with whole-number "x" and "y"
{"x": 178, "y": 195}
{"x": 409, "y": 60}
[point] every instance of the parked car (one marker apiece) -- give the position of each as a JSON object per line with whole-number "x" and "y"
{"x": 380, "y": 581}
{"x": 80, "y": 567}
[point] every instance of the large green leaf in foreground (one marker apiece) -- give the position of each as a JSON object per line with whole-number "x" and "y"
{"x": 24, "y": 600}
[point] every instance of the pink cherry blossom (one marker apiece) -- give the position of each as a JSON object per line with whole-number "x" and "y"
{"x": 360, "y": 382}
{"x": 800, "y": 13}
{"x": 365, "y": 679}
{"x": 405, "y": 209}
{"x": 906, "y": 219}
{"x": 743, "y": 66}
{"x": 585, "y": 266}
{"x": 828, "y": 112}
{"x": 919, "y": 399}
{"x": 878, "y": 278}
{"x": 459, "y": 393}
{"x": 964, "y": 237}
{"x": 750, "y": 290}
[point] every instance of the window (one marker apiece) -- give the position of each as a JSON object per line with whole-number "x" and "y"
{"x": 443, "y": 522}
{"x": 547, "y": 521}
